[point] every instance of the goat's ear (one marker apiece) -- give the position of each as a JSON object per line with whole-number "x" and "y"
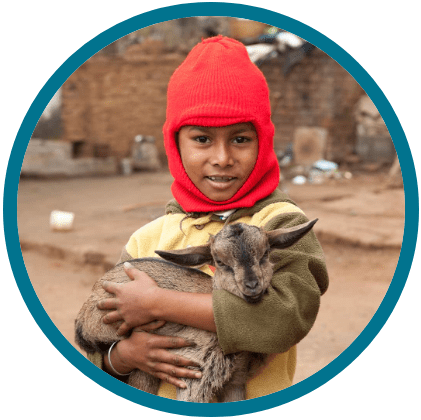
{"x": 284, "y": 238}
{"x": 190, "y": 257}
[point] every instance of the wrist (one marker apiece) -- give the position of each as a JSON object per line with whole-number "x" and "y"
{"x": 155, "y": 303}
{"x": 119, "y": 359}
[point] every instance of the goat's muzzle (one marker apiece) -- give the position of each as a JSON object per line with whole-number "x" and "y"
{"x": 254, "y": 296}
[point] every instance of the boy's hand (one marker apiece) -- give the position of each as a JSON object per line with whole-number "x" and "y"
{"x": 133, "y": 302}
{"x": 149, "y": 353}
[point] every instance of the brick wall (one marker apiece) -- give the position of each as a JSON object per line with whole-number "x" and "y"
{"x": 109, "y": 100}
{"x": 317, "y": 92}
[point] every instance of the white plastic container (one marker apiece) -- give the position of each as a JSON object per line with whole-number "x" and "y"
{"x": 61, "y": 220}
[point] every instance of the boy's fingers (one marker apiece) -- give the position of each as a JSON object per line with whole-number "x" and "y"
{"x": 107, "y": 304}
{"x": 130, "y": 270}
{"x": 162, "y": 343}
{"x": 170, "y": 379}
{"x": 171, "y": 374}
{"x": 151, "y": 326}
{"x": 111, "y": 317}
{"x": 123, "y": 329}
{"x": 110, "y": 287}
{"x": 174, "y": 360}
{"x": 177, "y": 342}
{"x": 165, "y": 365}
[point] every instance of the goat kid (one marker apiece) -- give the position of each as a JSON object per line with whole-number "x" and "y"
{"x": 240, "y": 254}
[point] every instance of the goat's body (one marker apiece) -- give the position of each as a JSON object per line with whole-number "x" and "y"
{"x": 240, "y": 254}
{"x": 222, "y": 376}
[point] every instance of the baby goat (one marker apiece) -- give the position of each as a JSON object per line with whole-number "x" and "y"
{"x": 240, "y": 254}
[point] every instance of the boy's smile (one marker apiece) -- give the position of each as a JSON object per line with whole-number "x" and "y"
{"x": 218, "y": 160}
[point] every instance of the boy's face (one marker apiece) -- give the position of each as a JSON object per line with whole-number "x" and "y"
{"x": 218, "y": 160}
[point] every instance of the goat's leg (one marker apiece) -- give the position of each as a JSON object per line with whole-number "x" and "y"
{"x": 216, "y": 372}
{"x": 235, "y": 388}
{"x": 232, "y": 392}
{"x": 198, "y": 390}
{"x": 203, "y": 391}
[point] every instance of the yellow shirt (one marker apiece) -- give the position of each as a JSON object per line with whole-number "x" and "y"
{"x": 165, "y": 233}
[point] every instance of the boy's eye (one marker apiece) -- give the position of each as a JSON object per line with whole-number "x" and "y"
{"x": 201, "y": 139}
{"x": 240, "y": 140}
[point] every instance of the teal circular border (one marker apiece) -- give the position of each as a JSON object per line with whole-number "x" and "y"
{"x": 211, "y": 9}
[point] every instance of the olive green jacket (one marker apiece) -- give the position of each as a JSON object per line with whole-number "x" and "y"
{"x": 285, "y": 314}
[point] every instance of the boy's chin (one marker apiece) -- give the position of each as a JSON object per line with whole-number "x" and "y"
{"x": 221, "y": 192}
{"x": 219, "y": 195}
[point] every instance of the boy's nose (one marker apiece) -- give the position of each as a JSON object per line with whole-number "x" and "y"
{"x": 222, "y": 156}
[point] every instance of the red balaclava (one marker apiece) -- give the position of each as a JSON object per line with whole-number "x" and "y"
{"x": 218, "y": 85}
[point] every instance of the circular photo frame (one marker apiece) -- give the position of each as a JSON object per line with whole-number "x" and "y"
{"x": 182, "y": 11}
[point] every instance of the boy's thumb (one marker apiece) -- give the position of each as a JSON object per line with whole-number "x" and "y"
{"x": 127, "y": 268}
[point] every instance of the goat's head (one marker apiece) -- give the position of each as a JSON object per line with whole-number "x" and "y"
{"x": 240, "y": 254}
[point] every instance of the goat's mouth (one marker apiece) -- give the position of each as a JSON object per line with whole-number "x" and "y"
{"x": 253, "y": 298}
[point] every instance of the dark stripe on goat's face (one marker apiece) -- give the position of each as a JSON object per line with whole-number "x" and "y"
{"x": 247, "y": 260}
{"x": 246, "y": 256}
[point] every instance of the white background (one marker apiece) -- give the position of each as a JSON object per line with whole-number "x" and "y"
{"x": 37, "y": 37}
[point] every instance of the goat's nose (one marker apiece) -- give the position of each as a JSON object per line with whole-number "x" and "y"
{"x": 252, "y": 284}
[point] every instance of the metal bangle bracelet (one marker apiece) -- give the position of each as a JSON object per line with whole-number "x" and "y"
{"x": 111, "y": 365}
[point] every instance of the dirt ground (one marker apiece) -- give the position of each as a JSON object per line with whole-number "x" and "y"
{"x": 360, "y": 228}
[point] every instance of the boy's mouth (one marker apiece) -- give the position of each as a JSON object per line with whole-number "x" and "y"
{"x": 221, "y": 178}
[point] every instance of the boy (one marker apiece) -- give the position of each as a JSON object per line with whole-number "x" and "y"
{"x": 218, "y": 137}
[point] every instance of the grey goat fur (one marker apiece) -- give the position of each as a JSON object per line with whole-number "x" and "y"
{"x": 240, "y": 254}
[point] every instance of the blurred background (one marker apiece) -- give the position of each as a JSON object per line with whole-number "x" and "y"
{"x": 95, "y": 171}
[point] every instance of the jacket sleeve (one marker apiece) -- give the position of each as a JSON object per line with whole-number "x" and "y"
{"x": 288, "y": 311}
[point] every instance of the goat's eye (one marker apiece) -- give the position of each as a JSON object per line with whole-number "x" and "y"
{"x": 265, "y": 255}
{"x": 220, "y": 263}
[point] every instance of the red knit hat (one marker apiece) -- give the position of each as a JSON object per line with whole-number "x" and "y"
{"x": 218, "y": 85}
